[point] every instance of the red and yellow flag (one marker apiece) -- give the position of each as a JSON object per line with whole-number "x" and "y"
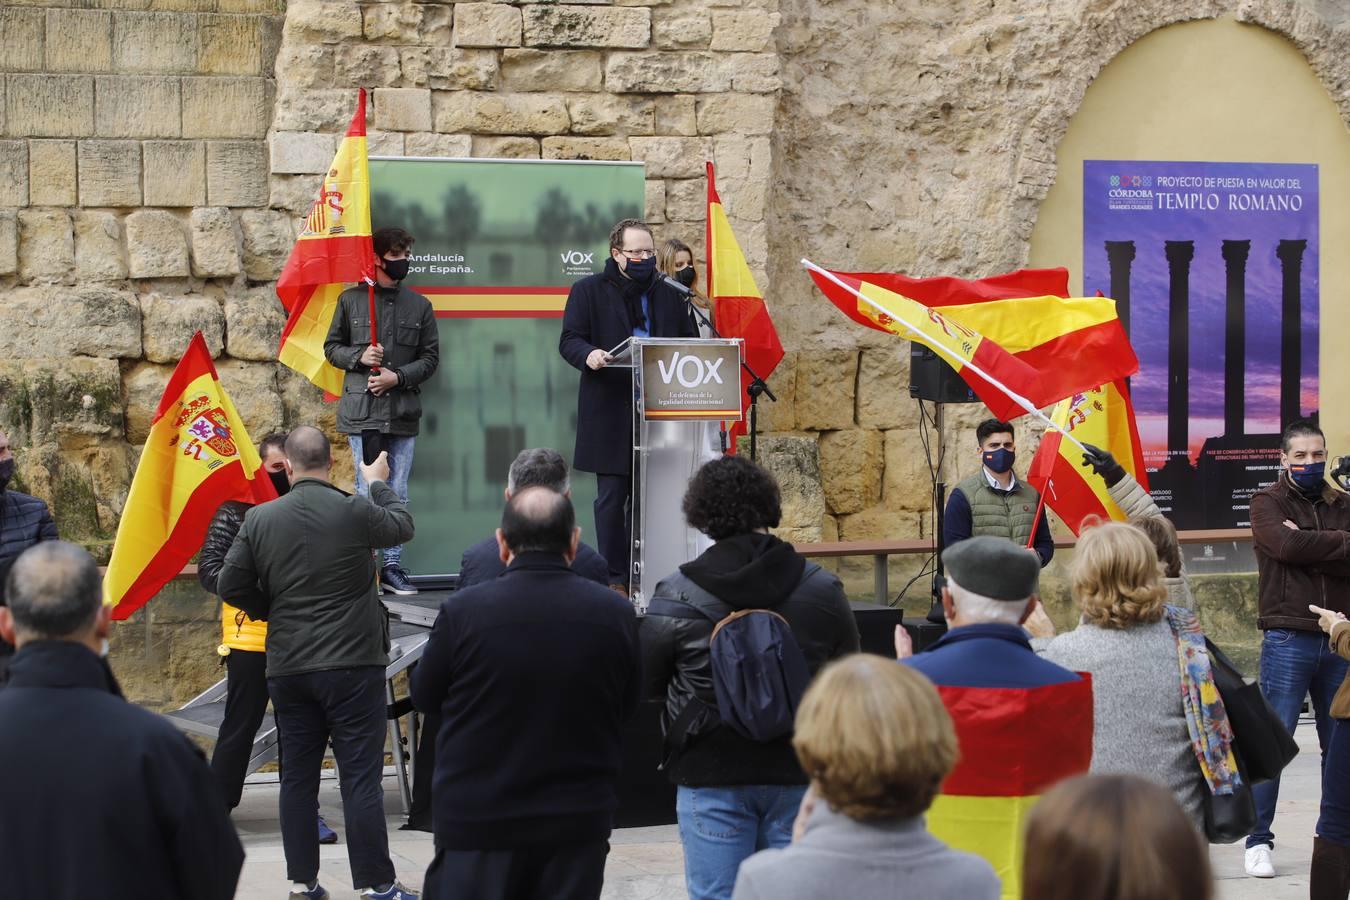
{"x": 1015, "y": 744}
{"x": 1063, "y": 345}
{"x": 198, "y": 455}
{"x": 1103, "y": 417}
{"x": 738, "y": 306}
{"x": 334, "y": 250}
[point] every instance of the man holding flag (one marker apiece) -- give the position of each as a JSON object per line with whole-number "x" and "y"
{"x": 994, "y": 502}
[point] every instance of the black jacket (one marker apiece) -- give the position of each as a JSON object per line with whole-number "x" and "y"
{"x": 598, "y": 316}
{"x": 482, "y": 562}
{"x": 220, "y": 534}
{"x": 24, "y": 521}
{"x": 306, "y": 559}
{"x": 751, "y": 571}
{"x": 1295, "y": 568}
{"x": 407, "y": 331}
{"x": 102, "y": 798}
{"x": 534, "y": 674}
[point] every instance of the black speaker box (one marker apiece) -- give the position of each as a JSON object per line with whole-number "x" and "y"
{"x": 930, "y": 378}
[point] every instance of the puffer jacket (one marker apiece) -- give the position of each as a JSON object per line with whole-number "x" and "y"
{"x": 24, "y": 521}
{"x": 752, "y": 571}
{"x": 237, "y": 630}
{"x": 1307, "y": 565}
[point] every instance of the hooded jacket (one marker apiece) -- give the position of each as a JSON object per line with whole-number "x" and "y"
{"x": 237, "y": 630}
{"x": 1307, "y": 565}
{"x": 747, "y": 571}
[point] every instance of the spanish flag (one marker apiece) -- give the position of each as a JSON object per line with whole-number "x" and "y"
{"x": 1103, "y": 417}
{"x": 1015, "y": 744}
{"x": 738, "y": 306}
{"x": 334, "y": 250}
{"x": 1039, "y": 345}
{"x": 197, "y": 456}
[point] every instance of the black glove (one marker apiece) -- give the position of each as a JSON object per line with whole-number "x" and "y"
{"x": 1103, "y": 464}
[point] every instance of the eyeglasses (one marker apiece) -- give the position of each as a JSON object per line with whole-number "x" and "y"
{"x": 638, "y": 254}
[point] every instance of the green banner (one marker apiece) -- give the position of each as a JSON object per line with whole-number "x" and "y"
{"x": 498, "y": 245}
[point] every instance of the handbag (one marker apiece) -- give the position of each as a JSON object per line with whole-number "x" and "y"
{"x": 1260, "y": 739}
{"x": 1229, "y": 817}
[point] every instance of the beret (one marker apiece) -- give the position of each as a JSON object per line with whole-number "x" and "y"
{"x": 993, "y": 567}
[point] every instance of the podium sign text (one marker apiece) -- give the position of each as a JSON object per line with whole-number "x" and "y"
{"x": 691, "y": 382}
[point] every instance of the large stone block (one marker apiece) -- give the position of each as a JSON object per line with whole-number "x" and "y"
{"x": 879, "y": 523}
{"x": 303, "y": 404}
{"x": 49, "y": 105}
{"x": 21, "y": 34}
{"x": 156, "y": 247}
{"x": 686, "y": 199}
{"x": 170, "y": 322}
{"x": 825, "y": 387}
{"x": 253, "y": 323}
{"x": 384, "y": 143}
{"x": 14, "y": 173}
{"x": 322, "y": 22}
{"x": 586, "y": 148}
{"x": 547, "y": 25}
{"x": 137, "y": 106}
{"x": 553, "y": 70}
{"x": 38, "y": 323}
{"x": 508, "y": 147}
{"x": 295, "y": 193}
{"x": 72, "y": 398}
{"x": 753, "y": 73}
{"x": 851, "y": 469}
{"x": 654, "y": 201}
{"x": 313, "y": 110}
{"x": 51, "y": 173}
{"x": 672, "y": 157}
{"x": 907, "y": 482}
{"x": 750, "y": 30}
{"x": 486, "y": 25}
{"x": 175, "y": 173}
{"x": 449, "y": 146}
{"x": 437, "y": 28}
{"x": 397, "y": 22}
{"x": 9, "y": 241}
{"x": 253, "y": 388}
{"x": 142, "y": 386}
{"x": 230, "y": 45}
{"x": 403, "y": 109}
{"x": 369, "y": 65}
{"x": 110, "y": 173}
{"x": 469, "y": 111}
{"x": 603, "y": 114}
{"x": 676, "y": 115}
{"x": 449, "y": 68}
{"x": 78, "y": 40}
{"x": 223, "y": 107}
{"x": 736, "y": 113}
{"x": 215, "y": 243}
{"x": 665, "y": 73}
{"x": 302, "y": 152}
{"x": 681, "y": 29}
{"x": 883, "y": 388}
{"x": 794, "y": 461}
{"x": 236, "y": 173}
{"x": 154, "y": 43}
{"x": 46, "y": 245}
{"x": 303, "y": 66}
{"x": 99, "y": 255}
{"x": 268, "y": 238}
{"x": 779, "y": 415}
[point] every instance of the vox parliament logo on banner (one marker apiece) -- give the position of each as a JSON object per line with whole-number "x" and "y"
{"x": 691, "y": 381}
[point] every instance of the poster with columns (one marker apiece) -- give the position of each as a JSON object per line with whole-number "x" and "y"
{"x": 1214, "y": 268}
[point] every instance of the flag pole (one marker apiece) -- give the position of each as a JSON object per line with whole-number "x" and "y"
{"x": 1036, "y": 519}
{"x": 943, "y": 351}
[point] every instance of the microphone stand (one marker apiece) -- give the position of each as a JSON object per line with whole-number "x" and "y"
{"x": 757, "y": 385}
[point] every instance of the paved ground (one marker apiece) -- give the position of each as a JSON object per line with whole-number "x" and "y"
{"x": 646, "y": 863}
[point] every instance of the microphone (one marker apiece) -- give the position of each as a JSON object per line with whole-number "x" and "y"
{"x": 688, "y": 292}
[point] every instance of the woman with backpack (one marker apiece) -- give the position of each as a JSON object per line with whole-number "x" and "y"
{"x": 749, "y": 601}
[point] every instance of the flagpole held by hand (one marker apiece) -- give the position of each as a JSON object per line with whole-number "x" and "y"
{"x": 374, "y": 332}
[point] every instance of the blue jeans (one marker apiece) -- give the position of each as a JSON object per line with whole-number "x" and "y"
{"x": 722, "y": 826}
{"x": 1333, "y": 823}
{"x": 1294, "y": 664}
{"x": 400, "y": 449}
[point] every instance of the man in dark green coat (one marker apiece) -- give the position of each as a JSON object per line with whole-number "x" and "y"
{"x": 993, "y": 502}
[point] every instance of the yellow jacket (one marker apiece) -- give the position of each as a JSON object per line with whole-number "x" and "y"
{"x": 239, "y": 632}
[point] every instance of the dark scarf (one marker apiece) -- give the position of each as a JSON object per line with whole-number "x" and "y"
{"x": 632, "y": 292}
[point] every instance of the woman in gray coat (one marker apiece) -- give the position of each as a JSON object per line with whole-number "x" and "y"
{"x": 877, "y": 742}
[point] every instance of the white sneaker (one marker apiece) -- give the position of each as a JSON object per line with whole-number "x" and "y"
{"x": 1258, "y": 862}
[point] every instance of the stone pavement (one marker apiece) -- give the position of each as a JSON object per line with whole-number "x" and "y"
{"x": 646, "y": 863}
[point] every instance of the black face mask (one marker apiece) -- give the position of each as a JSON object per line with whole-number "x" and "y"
{"x": 396, "y": 269}
{"x": 280, "y": 481}
{"x": 6, "y": 473}
{"x": 686, "y": 276}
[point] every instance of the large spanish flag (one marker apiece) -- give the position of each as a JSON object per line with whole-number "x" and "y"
{"x": 1015, "y": 744}
{"x": 334, "y": 250}
{"x": 198, "y": 455}
{"x": 1103, "y": 417}
{"x": 738, "y": 306}
{"x": 1065, "y": 345}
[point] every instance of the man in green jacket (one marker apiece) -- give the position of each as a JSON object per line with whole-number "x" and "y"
{"x": 305, "y": 564}
{"x": 406, "y": 351}
{"x": 993, "y": 502}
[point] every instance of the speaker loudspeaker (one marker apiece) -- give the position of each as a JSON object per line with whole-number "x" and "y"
{"x": 930, "y": 378}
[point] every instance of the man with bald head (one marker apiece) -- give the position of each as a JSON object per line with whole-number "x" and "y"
{"x": 101, "y": 798}
{"x": 534, "y": 674}
{"x": 24, "y": 521}
{"x": 305, "y": 562}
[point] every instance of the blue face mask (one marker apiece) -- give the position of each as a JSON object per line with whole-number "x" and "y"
{"x": 1308, "y": 478}
{"x": 641, "y": 270}
{"x": 1000, "y": 460}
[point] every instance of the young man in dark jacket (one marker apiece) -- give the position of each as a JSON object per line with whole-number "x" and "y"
{"x": 406, "y": 350}
{"x": 734, "y": 796}
{"x": 626, "y": 300}
{"x": 101, "y": 798}
{"x": 1301, "y": 529}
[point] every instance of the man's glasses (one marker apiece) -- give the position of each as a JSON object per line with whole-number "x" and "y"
{"x": 638, "y": 254}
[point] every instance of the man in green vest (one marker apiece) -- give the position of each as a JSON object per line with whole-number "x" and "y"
{"x": 993, "y": 501}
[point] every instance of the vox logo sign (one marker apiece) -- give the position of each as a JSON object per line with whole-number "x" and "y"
{"x": 690, "y": 371}
{"x": 577, "y": 258}
{"x": 690, "y": 379}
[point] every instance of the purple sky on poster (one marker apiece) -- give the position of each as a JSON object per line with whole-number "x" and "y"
{"x": 1208, "y": 203}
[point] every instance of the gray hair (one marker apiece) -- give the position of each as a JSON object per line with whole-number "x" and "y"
{"x": 538, "y": 467}
{"x": 54, "y": 591}
{"x": 978, "y": 608}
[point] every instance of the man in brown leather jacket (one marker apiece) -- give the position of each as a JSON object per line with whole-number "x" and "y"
{"x": 1301, "y": 528}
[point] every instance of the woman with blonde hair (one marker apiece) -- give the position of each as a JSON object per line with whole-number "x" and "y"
{"x": 1113, "y": 837}
{"x": 675, "y": 259}
{"x": 876, "y": 742}
{"x": 1139, "y": 693}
